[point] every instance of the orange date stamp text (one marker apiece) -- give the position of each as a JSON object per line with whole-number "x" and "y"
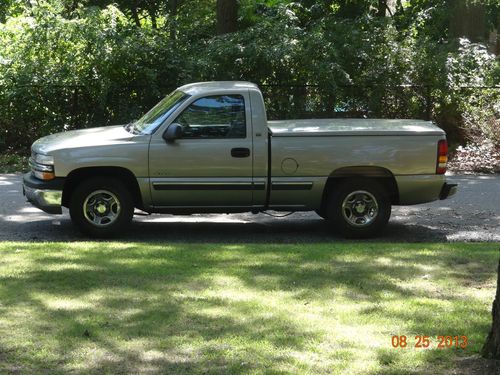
{"x": 424, "y": 342}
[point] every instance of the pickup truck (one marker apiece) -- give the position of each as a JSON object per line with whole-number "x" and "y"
{"x": 208, "y": 148}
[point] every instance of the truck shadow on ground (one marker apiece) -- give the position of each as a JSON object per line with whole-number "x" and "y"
{"x": 271, "y": 232}
{"x": 203, "y": 230}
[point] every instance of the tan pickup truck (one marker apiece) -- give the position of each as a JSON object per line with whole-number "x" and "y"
{"x": 208, "y": 148}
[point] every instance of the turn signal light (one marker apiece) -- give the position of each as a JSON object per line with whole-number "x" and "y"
{"x": 44, "y": 175}
{"x": 442, "y": 156}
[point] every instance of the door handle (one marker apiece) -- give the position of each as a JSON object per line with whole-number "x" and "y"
{"x": 240, "y": 152}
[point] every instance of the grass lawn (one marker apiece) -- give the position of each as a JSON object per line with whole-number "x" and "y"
{"x": 240, "y": 308}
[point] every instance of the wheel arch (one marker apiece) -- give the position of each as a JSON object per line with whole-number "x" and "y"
{"x": 123, "y": 174}
{"x": 380, "y": 174}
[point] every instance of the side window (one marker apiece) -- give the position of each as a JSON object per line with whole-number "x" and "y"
{"x": 218, "y": 116}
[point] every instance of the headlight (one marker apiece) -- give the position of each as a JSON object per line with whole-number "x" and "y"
{"x": 42, "y": 166}
{"x": 44, "y": 159}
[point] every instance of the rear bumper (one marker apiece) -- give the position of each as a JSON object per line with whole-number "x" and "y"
{"x": 45, "y": 195}
{"x": 416, "y": 189}
{"x": 448, "y": 190}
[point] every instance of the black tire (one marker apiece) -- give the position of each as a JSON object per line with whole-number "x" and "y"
{"x": 322, "y": 214}
{"x": 109, "y": 206}
{"x": 359, "y": 208}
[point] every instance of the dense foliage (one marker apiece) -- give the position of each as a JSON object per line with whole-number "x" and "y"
{"x": 68, "y": 64}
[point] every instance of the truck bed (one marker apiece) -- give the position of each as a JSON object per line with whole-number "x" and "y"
{"x": 342, "y": 127}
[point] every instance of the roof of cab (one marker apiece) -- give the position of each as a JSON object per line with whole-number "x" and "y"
{"x": 216, "y": 86}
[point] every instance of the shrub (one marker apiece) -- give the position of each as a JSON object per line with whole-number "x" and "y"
{"x": 476, "y": 157}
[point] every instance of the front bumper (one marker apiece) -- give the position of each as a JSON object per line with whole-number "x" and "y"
{"x": 45, "y": 195}
{"x": 448, "y": 190}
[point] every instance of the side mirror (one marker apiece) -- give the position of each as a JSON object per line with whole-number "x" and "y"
{"x": 173, "y": 132}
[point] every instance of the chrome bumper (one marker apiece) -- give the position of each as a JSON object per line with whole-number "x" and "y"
{"x": 43, "y": 195}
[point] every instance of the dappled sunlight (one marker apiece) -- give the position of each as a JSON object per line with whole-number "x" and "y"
{"x": 70, "y": 266}
{"x": 129, "y": 307}
{"x": 5, "y": 182}
{"x": 383, "y": 260}
{"x": 135, "y": 262}
{"x": 30, "y": 209}
{"x": 65, "y": 304}
{"x": 129, "y": 313}
{"x": 212, "y": 218}
{"x": 477, "y": 235}
{"x": 233, "y": 247}
{"x": 34, "y": 214}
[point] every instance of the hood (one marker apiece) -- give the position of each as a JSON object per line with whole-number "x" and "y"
{"x": 102, "y": 136}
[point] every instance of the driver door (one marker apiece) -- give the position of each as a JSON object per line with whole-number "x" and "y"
{"x": 211, "y": 164}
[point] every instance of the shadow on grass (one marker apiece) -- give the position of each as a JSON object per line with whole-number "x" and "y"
{"x": 208, "y": 308}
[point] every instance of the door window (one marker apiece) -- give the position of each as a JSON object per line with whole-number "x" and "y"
{"x": 218, "y": 116}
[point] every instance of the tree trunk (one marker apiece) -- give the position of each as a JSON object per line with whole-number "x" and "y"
{"x": 491, "y": 348}
{"x": 381, "y": 8}
{"x": 227, "y": 16}
{"x": 135, "y": 16}
{"x": 497, "y": 49}
{"x": 152, "y": 15}
{"x": 173, "y": 19}
{"x": 468, "y": 20}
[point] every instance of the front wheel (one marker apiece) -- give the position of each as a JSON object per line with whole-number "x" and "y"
{"x": 359, "y": 208}
{"x": 101, "y": 207}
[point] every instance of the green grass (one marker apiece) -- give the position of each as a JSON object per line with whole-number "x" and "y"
{"x": 239, "y": 308}
{"x": 13, "y": 163}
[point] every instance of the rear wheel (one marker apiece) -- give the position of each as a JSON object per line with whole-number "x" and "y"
{"x": 359, "y": 208}
{"x": 101, "y": 207}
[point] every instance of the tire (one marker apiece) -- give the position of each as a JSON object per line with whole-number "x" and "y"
{"x": 321, "y": 214}
{"x": 101, "y": 207}
{"x": 359, "y": 208}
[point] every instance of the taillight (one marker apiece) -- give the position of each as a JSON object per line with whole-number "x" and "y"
{"x": 442, "y": 157}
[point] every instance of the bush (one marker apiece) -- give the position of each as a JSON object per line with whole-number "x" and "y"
{"x": 98, "y": 67}
{"x": 58, "y": 74}
{"x": 470, "y": 71}
{"x": 476, "y": 157}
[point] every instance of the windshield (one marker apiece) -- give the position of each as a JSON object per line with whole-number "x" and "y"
{"x": 148, "y": 123}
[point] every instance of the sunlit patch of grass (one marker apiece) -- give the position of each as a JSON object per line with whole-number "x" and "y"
{"x": 245, "y": 308}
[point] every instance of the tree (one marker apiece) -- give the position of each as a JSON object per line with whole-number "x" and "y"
{"x": 491, "y": 348}
{"x": 227, "y": 16}
{"x": 468, "y": 19}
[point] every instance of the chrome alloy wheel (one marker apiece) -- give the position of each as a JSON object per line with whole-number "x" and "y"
{"x": 101, "y": 208}
{"x": 360, "y": 208}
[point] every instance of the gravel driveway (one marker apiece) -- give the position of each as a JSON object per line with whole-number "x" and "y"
{"x": 471, "y": 215}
